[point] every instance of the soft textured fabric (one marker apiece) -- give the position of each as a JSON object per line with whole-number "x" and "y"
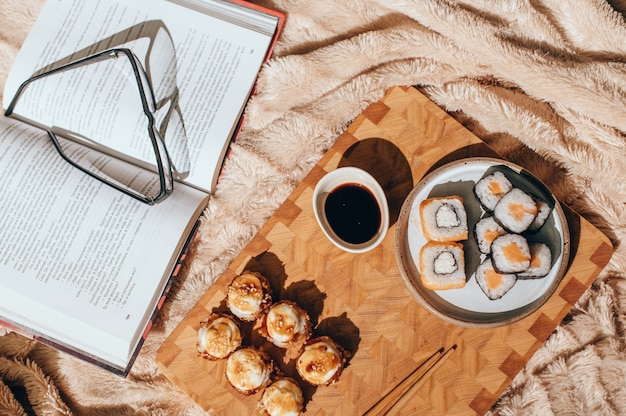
{"x": 542, "y": 81}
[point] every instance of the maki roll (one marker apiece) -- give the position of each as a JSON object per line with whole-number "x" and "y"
{"x": 486, "y": 230}
{"x": 543, "y": 212}
{"x": 444, "y": 218}
{"x": 510, "y": 253}
{"x": 442, "y": 265}
{"x": 493, "y": 283}
{"x": 540, "y": 262}
{"x": 490, "y": 189}
{"x": 516, "y": 211}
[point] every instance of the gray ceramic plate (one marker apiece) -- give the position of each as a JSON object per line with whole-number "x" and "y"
{"x": 469, "y": 306}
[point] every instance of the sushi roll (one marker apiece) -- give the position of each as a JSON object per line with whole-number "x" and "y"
{"x": 490, "y": 189}
{"x": 249, "y": 370}
{"x": 249, "y": 296}
{"x": 286, "y": 324}
{"x": 540, "y": 262}
{"x": 219, "y": 335}
{"x": 510, "y": 253}
{"x": 486, "y": 230}
{"x": 444, "y": 219}
{"x": 442, "y": 265}
{"x": 543, "y": 212}
{"x": 493, "y": 283}
{"x": 516, "y": 211}
{"x": 281, "y": 398}
{"x": 321, "y": 361}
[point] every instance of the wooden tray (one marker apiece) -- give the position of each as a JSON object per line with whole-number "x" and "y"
{"x": 361, "y": 299}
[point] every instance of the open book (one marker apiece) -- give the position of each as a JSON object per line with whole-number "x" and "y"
{"x": 85, "y": 266}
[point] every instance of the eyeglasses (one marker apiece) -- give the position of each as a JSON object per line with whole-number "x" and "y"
{"x": 100, "y": 100}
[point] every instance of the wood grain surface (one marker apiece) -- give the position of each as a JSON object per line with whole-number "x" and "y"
{"x": 361, "y": 300}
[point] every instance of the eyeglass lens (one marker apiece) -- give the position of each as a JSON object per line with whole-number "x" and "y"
{"x": 101, "y": 107}
{"x": 157, "y": 56}
{"x": 96, "y": 110}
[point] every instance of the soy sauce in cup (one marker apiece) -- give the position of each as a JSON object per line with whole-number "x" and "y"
{"x": 351, "y": 208}
{"x": 353, "y": 213}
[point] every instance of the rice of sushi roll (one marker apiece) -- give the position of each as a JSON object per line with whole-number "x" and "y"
{"x": 543, "y": 212}
{"x": 510, "y": 253}
{"x": 516, "y": 211}
{"x": 442, "y": 265}
{"x": 490, "y": 189}
{"x": 444, "y": 219}
{"x": 540, "y": 262}
{"x": 486, "y": 230}
{"x": 493, "y": 283}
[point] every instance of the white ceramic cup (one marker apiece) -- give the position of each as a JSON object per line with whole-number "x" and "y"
{"x": 345, "y": 176}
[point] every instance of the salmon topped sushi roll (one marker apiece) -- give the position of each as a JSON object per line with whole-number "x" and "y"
{"x": 444, "y": 218}
{"x": 442, "y": 265}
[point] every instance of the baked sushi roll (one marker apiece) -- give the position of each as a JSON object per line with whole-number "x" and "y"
{"x": 249, "y": 370}
{"x": 218, "y": 336}
{"x": 491, "y": 188}
{"x": 442, "y": 265}
{"x": 493, "y": 283}
{"x": 249, "y": 296}
{"x": 540, "y": 262}
{"x": 281, "y": 398}
{"x": 286, "y": 324}
{"x": 444, "y": 218}
{"x": 321, "y": 361}
{"x": 510, "y": 253}
{"x": 516, "y": 211}
{"x": 486, "y": 230}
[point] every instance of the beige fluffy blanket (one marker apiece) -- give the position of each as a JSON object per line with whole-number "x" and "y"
{"x": 542, "y": 81}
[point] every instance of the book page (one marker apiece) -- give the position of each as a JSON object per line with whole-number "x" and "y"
{"x": 81, "y": 259}
{"x": 202, "y": 70}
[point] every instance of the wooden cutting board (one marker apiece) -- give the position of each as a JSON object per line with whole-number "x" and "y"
{"x": 361, "y": 300}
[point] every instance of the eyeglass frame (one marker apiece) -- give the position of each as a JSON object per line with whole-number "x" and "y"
{"x": 164, "y": 167}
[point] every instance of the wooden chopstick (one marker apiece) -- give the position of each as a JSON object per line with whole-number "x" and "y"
{"x": 400, "y": 392}
{"x": 403, "y": 400}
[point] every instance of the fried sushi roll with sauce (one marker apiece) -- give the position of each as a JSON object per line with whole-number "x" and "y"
{"x": 219, "y": 335}
{"x": 249, "y": 370}
{"x": 510, "y": 253}
{"x": 286, "y": 324}
{"x": 442, "y": 265}
{"x": 249, "y": 296}
{"x": 491, "y": 188}
{"x": 321, "y": 361}
{"x": 493, "y": 283}
{"x": 281, "y": 398}
{"x": 516, "y": 211}
{"x": 444, "y": 218}
{"x": 540, "y": 262}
